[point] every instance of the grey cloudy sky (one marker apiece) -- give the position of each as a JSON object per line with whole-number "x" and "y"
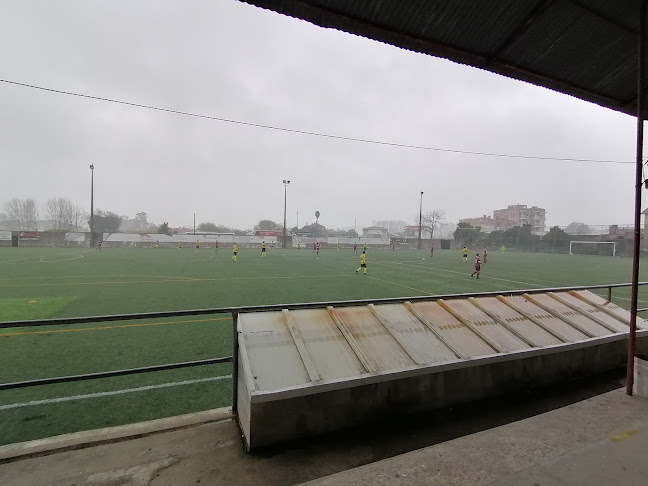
{"x": 228, "y": 59}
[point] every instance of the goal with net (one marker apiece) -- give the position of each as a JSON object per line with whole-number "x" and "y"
{"x": 600, "y": 248}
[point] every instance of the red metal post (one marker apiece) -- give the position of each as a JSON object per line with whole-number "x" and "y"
{"x": 641, "y": 54}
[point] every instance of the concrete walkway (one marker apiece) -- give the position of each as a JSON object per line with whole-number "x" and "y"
{"x": 599, "y": 440}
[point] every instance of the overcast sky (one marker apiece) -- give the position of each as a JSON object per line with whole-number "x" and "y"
{"x": 231, "y": 60}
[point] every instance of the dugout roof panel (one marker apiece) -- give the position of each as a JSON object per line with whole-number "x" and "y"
{"x": 307, "y": 347}
{"x": 584, "y": 48}
{"x": 311, "y": 370}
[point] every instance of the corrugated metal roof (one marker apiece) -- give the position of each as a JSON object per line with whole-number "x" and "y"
{"x": 585, "y": 48}
{"x": 309, "y": 346}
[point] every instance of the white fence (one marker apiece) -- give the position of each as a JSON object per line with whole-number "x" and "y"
{"x": 152, "y": 239}
{"x": 342, "y": 241}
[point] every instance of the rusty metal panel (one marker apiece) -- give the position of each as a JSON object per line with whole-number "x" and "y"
{"x": 524, "y": 326}
{"x": 330, "y": 352}
{"x": 503, "y": 339}
{"x": 558, "y": 326}
{"x": 456, "y": 333}
{"x": 374, "y": 340}
{"x": 274, "y": 359}
{"x": 588, "y": 309}
{"x": 596, "y": 330}
{"x": 416, "y": 334}
{"x": 615, "y": 309}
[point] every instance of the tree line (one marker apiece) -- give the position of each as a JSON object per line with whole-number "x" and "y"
{"x": 520, "y": 237}
{"x": 61, "y": 212}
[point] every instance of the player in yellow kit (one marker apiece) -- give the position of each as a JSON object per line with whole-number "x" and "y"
{"x": 263, "y": 250}
{"x": 363, "y": 263}
{"x": 235, "y": 251}
{"x": 464, "y": 252}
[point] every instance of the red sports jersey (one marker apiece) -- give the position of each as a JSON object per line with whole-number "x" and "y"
{"x": 477, "y": 261}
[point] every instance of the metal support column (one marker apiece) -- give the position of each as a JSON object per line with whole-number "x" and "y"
{"x": 420, "y": 219}
{"x": 641, "y": 54}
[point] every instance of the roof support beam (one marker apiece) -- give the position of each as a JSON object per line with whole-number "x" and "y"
{"x": 521, "y": 28}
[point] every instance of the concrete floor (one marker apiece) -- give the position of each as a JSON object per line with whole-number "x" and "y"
{"x": 480, "y": 443}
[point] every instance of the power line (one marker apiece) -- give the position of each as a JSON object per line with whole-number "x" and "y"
{"x": 305, "y": 132}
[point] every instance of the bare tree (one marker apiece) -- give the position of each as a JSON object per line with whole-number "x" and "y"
{"x": 31, "y": 213}
{"x": 61, "y": 213}
{"x": 13, "y": 208}
{"x": 80, "y": 215}
{"x": 433, "y": 219}
{"x": 23, "y": 211}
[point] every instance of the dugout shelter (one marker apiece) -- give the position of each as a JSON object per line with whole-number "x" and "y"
{"x": 307, "y": 370}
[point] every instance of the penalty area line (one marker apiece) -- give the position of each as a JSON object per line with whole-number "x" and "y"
{"x": 111, "y": 393}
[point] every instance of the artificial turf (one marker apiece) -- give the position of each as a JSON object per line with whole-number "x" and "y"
{"x": 49, "y": 282}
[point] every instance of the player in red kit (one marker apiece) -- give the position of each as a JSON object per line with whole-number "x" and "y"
{"x": 477, "y": 266}
{"x": 485, "y": 255}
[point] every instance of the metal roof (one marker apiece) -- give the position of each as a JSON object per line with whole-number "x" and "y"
{"x": 306, "y": 347}
{"x": 585, "y": 48}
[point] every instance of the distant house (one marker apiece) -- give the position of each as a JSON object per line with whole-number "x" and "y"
{"x": 413, "y": 232}
{"x": 521, "y": 214}
{"x": 513, "y": 215}
{"x": 375, "y": 231}
{"x": 488, "y": 224}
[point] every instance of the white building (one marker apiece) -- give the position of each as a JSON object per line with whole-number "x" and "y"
{"x": 413, "y": 232}
{"x": 375, "y": 231}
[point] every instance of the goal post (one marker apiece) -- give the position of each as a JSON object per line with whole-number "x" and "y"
{"x": 600, "y": 248}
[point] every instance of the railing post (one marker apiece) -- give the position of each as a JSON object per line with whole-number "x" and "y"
{"x": 235, "y": 362}
{"x": 609, "y": 294}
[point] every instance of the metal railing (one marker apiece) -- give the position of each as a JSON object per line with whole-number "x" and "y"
{"x": 235, "y": 311}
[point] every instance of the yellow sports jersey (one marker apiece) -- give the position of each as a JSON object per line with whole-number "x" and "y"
{"x": 263, "y": 245}
{"x": 363, "y": 259}
{"x": 465, "y": 251}
{"x": 235, "y": 248}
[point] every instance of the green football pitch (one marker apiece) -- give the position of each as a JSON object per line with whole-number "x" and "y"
{"x": 41, "y": 283}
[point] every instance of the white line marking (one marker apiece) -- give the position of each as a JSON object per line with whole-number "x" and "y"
{"x": 19, "y": 260}
{"x": 110, "y": 393}
{"x": 61, "y": 260}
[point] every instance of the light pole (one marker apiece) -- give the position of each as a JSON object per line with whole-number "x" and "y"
{"x": 92, "y": 244}
{"x": 285, "y": 183}
{"x": 420, "y": 219}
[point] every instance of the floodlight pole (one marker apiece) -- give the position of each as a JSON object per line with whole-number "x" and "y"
{"x": 92, "y": 244}
{"x": 283, "y": 244}
{"x": 641, "y": 54}
{"x": 420, "y": 219}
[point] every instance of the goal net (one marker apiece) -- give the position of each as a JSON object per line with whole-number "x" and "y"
{"x": 599, "y": 248}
